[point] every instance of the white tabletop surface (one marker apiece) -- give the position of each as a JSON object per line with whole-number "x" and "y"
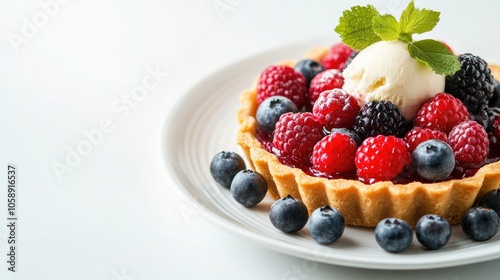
{"x": 67, "y": 70}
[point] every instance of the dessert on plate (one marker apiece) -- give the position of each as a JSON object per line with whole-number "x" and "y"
{"x": 379, "y": 125}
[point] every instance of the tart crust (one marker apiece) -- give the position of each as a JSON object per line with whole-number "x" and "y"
{"x": 361, "y": 204}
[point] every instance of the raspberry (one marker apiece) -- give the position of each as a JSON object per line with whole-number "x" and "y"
{"x": 336, "y": 57}
{"x": 325, "y": 80}
{"x": 295, "y": 136}
{"x": 473, "y": 83}
{"x": 284, "y": 81}
{"x": 418, "y": 135}
{"x": 381, "y": 158}
{"x": 441, "y": 112}
{"x": 469, "y": 142}
{"x": 335, "y": 109}
{"x": 334, "y": 154}
{"x": 447, "y": 46}
{"x": 380, "y": 117}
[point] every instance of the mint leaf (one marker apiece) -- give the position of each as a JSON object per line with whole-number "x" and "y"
{"x": 436, "y": 55}
{"x": 418, "y": 21}
{"x": 386, "y": 27}
{"x": 355, "y": 27}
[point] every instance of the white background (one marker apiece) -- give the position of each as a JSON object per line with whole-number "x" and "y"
{"x": 114, "y": 214}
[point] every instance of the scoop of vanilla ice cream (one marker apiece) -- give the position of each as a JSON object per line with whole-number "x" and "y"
{"x": 386, "y": 71}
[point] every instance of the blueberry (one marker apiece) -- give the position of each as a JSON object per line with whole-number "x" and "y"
{"x": 480, "y": 223}
{"x": 270, "y": 110}
{"x": 495, "y": 99}
{"x": 288, "y": 214}
{"x": 354, "y": 136}
{"x": 433, "y": 160}
{"x": 393, "y": 235}
{"x": 224, "y": 167}
{"x": 491, "y": 200}
{"x": 248, "y": 188}
{"x": 326, "y": 225}
{"x": 433, "y": 232}
{"x": 309, "y": 68}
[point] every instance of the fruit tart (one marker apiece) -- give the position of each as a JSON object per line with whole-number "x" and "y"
{"x": 379, "y": 125}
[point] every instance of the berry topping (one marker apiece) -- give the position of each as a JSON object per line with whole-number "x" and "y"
{"x": 495, "y": 99}
{"x": 433, "y": 232}
{"x": 326, "y": 225}
{"x": 335, "y": 109}
{"x": 381, "y": 158}
{"x": 336, "y": 57}
{"x": 480, "y": 223}
{"x": 380, "y": 117}
{"x": 473, "y": 83}
{"x": 309, "y": 69}
{"x": 482, "y": 117}
{"x": 491, "y": 200}
{"x": 248, "y": 188}
{"x": 418, "y": 135}
{"x": 295, "y": 136}
{"x": 224, "y": 166}
{"x": 334, "y": 154}
{"x": 393, "y": 235}
{"x": 283, "y": 81}
{"x": 347, "y": 132}
{"x": 495, "y": 127}
{"x": 442, "y": 112}
{"x": 271, "y": 109}
{"x": 469, "y": 142}
{"x": 495, "y": 135}
{"x": 329, "y": 79}
{"x": 288, "y": 214}
{"x": 433, "y": 160}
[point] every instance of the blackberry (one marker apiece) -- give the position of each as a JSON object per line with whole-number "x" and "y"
{"x": 482, "y": 117}
{"x": 495, "y": 99}
{"x": 380, "y": 117}
{"x": 486, "y": 116}
{"x": 473, "y": 84}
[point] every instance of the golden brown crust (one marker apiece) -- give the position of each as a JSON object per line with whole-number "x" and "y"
{"x": 495, "y": 70}
{"x": 361, "y": 204}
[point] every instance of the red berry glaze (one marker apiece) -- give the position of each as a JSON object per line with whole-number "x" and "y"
{"x": 418, "y": 135}
{"x": 325, "y": 80}
{"x": 336, "y": 56}
{"x": 336, "y": 109}
{"x": 381, "y": 158}
{"x": 295, "y": 136}
{"x": 469, "y": 142}
{"x": 334, "y": 154}
{"x": 442, "y": 112}
{"x": 284, "y": 81}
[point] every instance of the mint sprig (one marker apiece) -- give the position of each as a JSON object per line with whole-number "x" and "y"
{"x": 418, "y": 21}
{"x": 362, "y": 26}
{"x": 386, "y": 27}
{"x": 434, "y": 54}
{"x": 355, "y": 27}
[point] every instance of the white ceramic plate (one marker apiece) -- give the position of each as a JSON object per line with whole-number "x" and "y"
{"x": 204, "y": 123}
